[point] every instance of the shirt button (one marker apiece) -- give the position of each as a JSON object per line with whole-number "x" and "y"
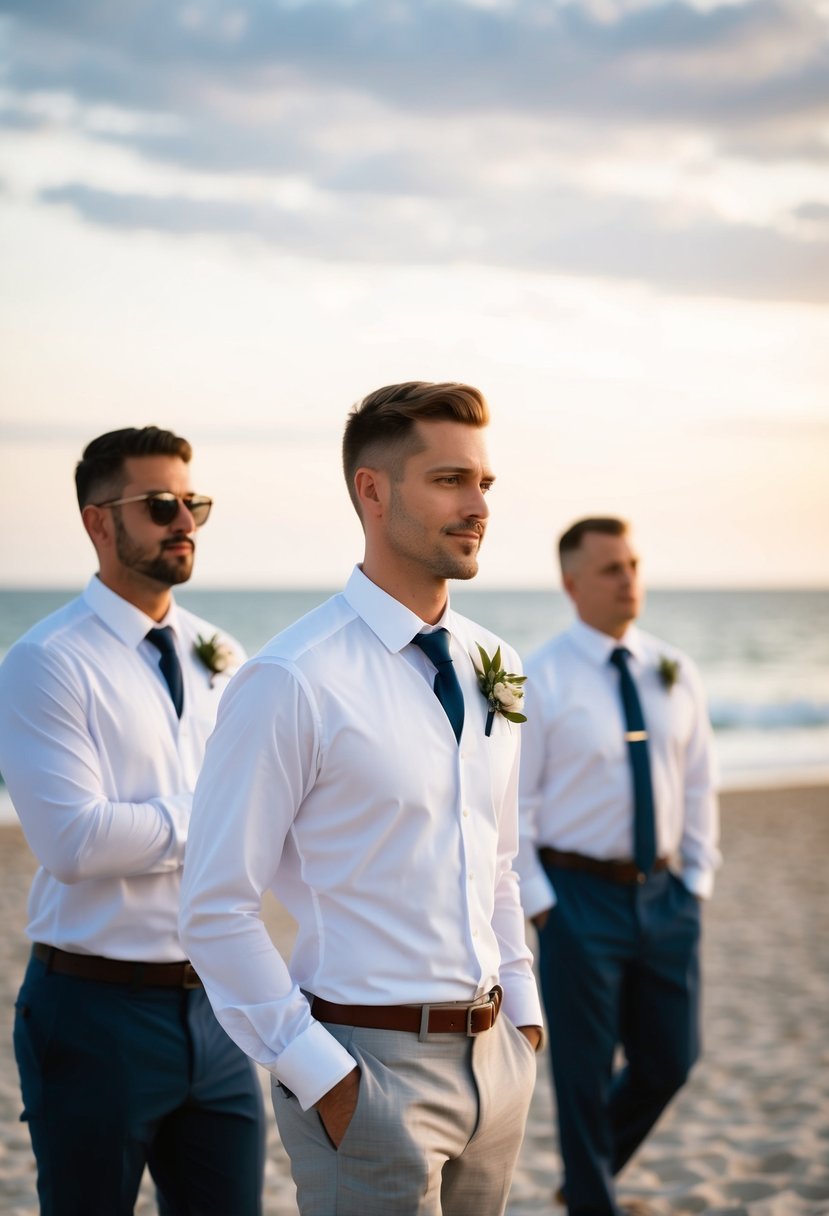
{"x": 471, "y": 877}
{"x": 466, "y": 814}
{"x": 474, "y": 932}
{"x": 640, "y": 878}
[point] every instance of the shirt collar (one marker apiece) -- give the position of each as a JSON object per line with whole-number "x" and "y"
{"x": 598, "y": 646}
{"x": 393, "y": 623}
{"x": 126, "y": 621}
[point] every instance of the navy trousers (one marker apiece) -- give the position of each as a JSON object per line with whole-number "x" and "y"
{"x": 619, "y": 965}
{"x": 115, "y": 1078}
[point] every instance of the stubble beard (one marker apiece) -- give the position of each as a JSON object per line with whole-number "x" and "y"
{"x": 409, "y": 538}
{"x": 463, "y": 566}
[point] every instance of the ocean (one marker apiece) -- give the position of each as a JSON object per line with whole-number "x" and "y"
{"x": 764, "y": 657}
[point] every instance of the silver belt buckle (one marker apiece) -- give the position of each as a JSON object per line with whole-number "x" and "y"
{"x": 481, "y": 1003}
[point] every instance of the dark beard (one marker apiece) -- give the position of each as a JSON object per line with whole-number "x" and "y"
{"x": 166, "y": 571}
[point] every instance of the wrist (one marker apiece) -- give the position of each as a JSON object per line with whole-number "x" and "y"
{"x": 535, "y": 1035}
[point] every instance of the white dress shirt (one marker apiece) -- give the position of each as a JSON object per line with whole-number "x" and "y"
{"x": 102, "y": 772}
{"x": 334, "y": 778}
{"x": 576, "y": 787}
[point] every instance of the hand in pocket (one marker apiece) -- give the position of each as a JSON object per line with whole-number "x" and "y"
{"x": 336, "y": 1108}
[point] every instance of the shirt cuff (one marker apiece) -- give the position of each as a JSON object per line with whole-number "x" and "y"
{"x": 522, "y": 1004}
{"x": 698, "y": 881}
{"x": 537, "y": 895}
{"x": 312, "y": 1064}
{"x": 177, "y": 808}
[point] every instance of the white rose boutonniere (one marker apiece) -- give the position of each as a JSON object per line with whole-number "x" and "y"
{"x": 218, "y": 657}
{"x": 668, "y": 671}
{"x": 502, "y": 689}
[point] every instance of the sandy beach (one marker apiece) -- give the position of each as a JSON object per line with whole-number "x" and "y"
{"x": 750, "y": 1132}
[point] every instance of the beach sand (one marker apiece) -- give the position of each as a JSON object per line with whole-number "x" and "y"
{"x": 750, "y": 1131}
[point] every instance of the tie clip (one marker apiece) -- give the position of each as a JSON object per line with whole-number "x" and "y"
{"x": 636, "y": 736}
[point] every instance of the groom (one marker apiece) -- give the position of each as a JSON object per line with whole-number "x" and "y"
{"x": 351, "y": 772}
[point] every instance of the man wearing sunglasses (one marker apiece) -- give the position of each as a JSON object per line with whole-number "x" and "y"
{"x": 105, "y": 710}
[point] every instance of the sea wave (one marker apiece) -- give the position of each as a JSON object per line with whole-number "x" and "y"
{"x": 780, "y": 715}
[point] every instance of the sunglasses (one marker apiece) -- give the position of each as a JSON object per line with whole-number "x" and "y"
{"x": 164, "y": 506}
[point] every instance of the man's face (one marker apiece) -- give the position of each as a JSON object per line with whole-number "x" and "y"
{"x": 437, "y": 511}
{"x": 162, "y": 555}
{"x": 602, "y": 579}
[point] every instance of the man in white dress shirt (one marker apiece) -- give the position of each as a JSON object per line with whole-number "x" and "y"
{"x": 617, "y": 785}
{"x": 385, "y": 819}
{"x": 105, "y": 709}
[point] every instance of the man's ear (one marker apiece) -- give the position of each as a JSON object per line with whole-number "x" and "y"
{"x": 98, "y": 524}
{"x": 372, "y": 489}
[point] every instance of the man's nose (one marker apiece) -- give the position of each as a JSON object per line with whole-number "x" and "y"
{"x": 183, "y": 520}
{"x": 477, "y": 505}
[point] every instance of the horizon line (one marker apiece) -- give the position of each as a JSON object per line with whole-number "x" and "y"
{"x": 456, "y": 587}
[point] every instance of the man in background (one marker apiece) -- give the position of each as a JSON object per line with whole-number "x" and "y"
{"x": 619, "y": 845}
{"x": 105, "y": 709}
{"x": 358, "y": 771}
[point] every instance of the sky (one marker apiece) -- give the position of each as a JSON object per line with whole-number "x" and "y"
{"x": 235, "y": 220}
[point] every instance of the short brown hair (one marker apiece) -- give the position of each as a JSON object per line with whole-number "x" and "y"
{"x": 607, "y": 525}
{"x": 102, "y": 465}
{"x": 381, "y": 428}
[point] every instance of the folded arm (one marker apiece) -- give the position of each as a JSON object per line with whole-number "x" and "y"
{"x": 52, "y": 768}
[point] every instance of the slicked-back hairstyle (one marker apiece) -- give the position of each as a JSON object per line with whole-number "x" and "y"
{"x": 101, "y": 468}
{"x": 380, "y": 430}
{"x": 570, "y": 541}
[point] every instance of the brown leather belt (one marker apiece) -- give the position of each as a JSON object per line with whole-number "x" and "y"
{"x": 418, "y": 1019}
{"x": 117, "y": 971}
{"x": 626, "y": 872}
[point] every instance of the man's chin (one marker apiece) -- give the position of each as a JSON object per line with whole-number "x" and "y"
{"x": 170, "y": 572}
{"x": 464, "y": 570}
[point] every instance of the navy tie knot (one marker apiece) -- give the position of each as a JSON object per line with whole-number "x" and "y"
{"x": 164, "y": 641}
{"x": 435, "y": 645}
{"x": 447, "y": 686}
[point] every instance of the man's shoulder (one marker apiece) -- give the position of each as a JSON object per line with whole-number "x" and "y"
{"x": 62, "y": 644}
{"x": 321, "y": 629}
{"x": 59, "y": 628}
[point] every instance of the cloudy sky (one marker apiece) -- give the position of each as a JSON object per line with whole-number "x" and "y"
{"x": 236, "y": 219}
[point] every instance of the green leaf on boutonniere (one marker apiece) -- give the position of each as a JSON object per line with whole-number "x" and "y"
{"x": 502, "y": 689}
{"x": 668, "y": 671}
{"x": 217, "y": 656}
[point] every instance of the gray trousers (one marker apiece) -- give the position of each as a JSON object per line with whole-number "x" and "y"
{"x": 436, "y": 1132}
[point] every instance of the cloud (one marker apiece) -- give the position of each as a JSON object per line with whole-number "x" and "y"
{"x": 451, "y": 130}
{"x": 618, "y": 238}
{"x": 731, "y": 63}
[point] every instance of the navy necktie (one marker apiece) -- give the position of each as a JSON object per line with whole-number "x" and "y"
{"x": 644, "y": 825}
{"x": 169, "y": 664}
{"x": 447, "y": 687}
